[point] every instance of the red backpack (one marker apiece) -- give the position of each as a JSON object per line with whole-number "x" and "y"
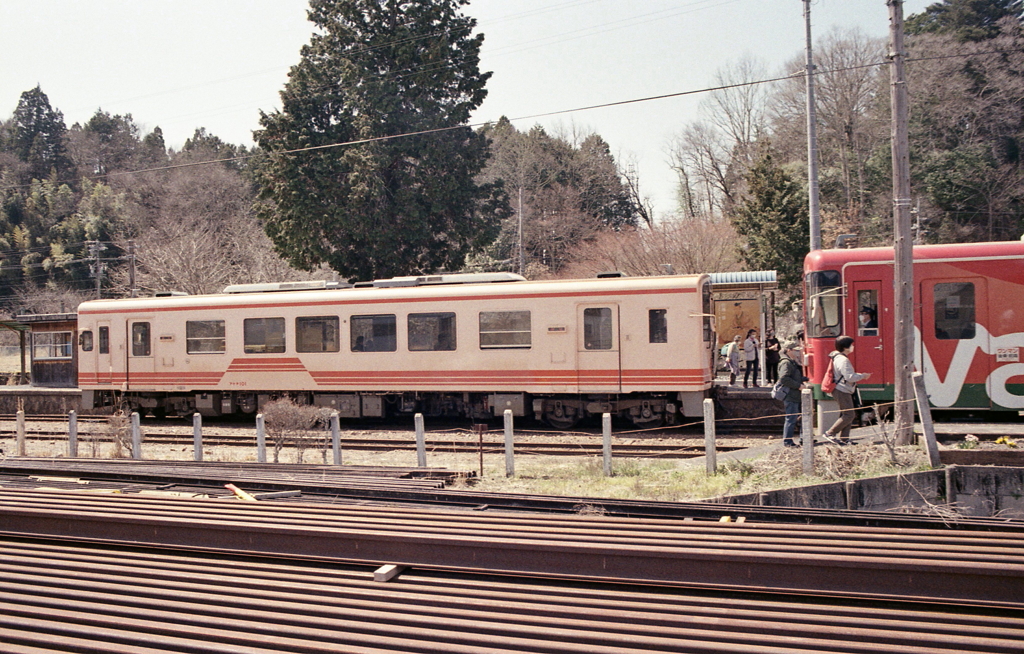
{"x": 828, "y": 382}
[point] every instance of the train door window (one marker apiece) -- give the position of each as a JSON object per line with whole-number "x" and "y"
{"x": 597, "y": 328}
{"x": 954, "y": 311}
{"x": 141, "y": 339}
{"x": 373, "y": 333}
{"x": 85, "y": 340}
{"x": 824, "y": 304}
{"x": 867, "y": 312}
{"x": 204, "y": 336}
{"x": 263, "y": 335}
{"x": 431, "y": 332}
{"x": 317, "y": 334}
{"x": 657, "y": 325}
{"x": 504, "y": 330}
{"x": 104, "y": 340}
{"x": 51, "y": 345}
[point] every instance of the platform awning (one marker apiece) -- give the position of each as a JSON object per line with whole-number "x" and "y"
{"x": 746, "y": 280}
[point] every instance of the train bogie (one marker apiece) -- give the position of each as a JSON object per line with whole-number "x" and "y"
{"x": 443, "y": 346}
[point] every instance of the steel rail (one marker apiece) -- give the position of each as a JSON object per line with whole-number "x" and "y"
{"x": 984, "y": 567}
{"x": 111, "y": 600}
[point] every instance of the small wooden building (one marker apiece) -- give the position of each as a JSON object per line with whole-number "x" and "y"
{"x": 53, "y": 355}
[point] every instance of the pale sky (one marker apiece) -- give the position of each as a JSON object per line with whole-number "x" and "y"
{"x": 183, "y": 64}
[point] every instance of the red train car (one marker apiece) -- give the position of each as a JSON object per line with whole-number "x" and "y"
{"x": 968, "y": 320}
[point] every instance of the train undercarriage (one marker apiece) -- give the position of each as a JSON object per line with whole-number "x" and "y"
{"x": 643, "y": 410}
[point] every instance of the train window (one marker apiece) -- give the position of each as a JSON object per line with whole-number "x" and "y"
{"x": 824, "y": 304}
{"x": 708, "y": 311}
{"x": 263, "y": 335}
{"x": 104, "y": 340}
{"x": 867, "y": 312}
{"x": 140, "y": 339}
{"x": 373, "y": 333}
{"x": 431, "y": 332}
{"x": 204, "y": 336}
{"x": 954, "y": 311}
{"x": 597, "y": 329}
{"x": 51, "y": 345}
{"x": 504, "y": 330}
{"x": 657, "y": 325}
{"x": 317, "y": 334}
{"x": 85, "y": 340}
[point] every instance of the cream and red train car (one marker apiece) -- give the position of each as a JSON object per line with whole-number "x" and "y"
{"x": 454, "y": 345}
{"x": 968, "y": 320}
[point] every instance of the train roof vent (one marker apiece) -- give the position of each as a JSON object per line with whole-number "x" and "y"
{"x": 611, "y": 274}
{"x": 453, "y": 278}
{"x": 170, "y": 294}
{"x": 277, "y": 287}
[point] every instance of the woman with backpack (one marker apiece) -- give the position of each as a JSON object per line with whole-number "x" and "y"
{"x": 846, "y": 379}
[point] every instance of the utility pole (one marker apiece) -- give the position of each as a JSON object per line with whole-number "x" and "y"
{"x": 520, "y": 257}
{"x": 903, "y": 239}
{"x": 95, "y": 248}
{"x": 812, "y": 138}
{"x": 133, "y": 292}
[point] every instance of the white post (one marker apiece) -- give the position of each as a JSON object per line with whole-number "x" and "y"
{"x": 197, "y": 436}
{"x": 807, "y": 430}
{"x": 421, "y": 442}
{"x": 710, "y": 454}
{"x": 261, "y": 440}
{"x": 606, "y": 433}
{"x": 136, "y": 436}
{"x": 20, "y": 431}
{"x": 336, "y": 437}
{"x": 510, "y": 463}
{"x": 72, "y": 434}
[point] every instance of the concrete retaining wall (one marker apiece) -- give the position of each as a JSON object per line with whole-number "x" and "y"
{"x": 976, "y": 491}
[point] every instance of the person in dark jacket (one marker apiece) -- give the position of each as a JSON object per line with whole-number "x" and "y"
{"x": 791, "y": 375}
{"x": 772, "y": 352}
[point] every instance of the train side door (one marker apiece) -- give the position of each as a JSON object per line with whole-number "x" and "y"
{"x": 954, "y": 343}
{"x": 598, "y": 348}
{"x": 141, "y": 361}
{"x": 104, "y": 364}
{"x": 871, "y": 331}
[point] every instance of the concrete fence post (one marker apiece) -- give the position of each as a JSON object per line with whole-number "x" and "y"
{"x": 606, "y": 442}
{"x": 421, "y": 441}
{"x": 136, "y": 436}
{"x": 19, "y": 429}
{"x": 72, "y": 434}
{"x": 510, "y": 462}
{"x": 197, "y": 436}
{"x": 710, "y": 451}
{"x": 261, "y": 439}
{"x": 336, "y": 437}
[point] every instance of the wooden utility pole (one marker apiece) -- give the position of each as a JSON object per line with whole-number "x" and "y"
{"x": 812, "y": 139}
{"x": 903, "y": 239}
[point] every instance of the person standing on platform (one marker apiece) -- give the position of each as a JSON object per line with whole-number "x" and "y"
{"x": 732, "y": 357}
{"x": 846, "y": 379}
{"x": 750, "y": 347}
{"x": 771, "y": 358}
{"x": 791, "y": 375}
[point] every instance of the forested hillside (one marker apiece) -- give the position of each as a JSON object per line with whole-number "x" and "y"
{"x": 81, "y": 206}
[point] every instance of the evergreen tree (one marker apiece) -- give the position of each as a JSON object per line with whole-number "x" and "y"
{"x": 967, "y": 20}
{"x": 773, "y": 220}
{"x": 378, "y": 69}
{"x": 37, "y": 136}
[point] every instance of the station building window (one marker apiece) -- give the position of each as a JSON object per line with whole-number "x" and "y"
{"x": 317, "y": 334}
{"x": 263, "y": 335}
{"x": 51, "y": 345}
{"x": 431, "y": 332}
{"x": 954, "y": 311}
{"x": 505, "y": 330}
{"x": 657, "y": 325}
{"x": 204, "y": 336}
{"x": 373, "y": 333}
